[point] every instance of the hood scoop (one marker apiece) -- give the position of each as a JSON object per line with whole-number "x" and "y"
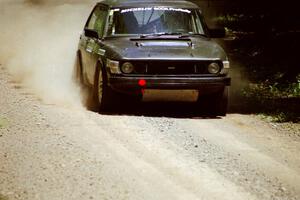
{"x": 167, "y": 41}
{"x": 163, "y": 44}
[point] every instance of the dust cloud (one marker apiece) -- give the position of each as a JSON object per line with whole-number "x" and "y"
{"x": 38, "y": 42}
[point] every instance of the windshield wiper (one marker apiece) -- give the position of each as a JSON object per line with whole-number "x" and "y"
{"x": 180, "y": 35}
{"x": 192, "y": 34}
{"x": 156, "y": 34}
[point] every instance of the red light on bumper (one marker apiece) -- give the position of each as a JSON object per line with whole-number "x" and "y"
{"x": 142, "y": 83}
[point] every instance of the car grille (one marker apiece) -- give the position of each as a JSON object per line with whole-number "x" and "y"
{"x": 171, "y": 67}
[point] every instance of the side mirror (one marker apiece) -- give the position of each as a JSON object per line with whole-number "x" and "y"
{"x": 217, "y": 32}
{"x": 91, "y": 33}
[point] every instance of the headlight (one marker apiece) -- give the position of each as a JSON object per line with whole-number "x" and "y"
{"x": 214, "y": 68}
{"x": 127, "y": 68}
{"x": 113, "y": 66}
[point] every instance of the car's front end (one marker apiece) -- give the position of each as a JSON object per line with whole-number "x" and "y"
{"x": 131, "y": 75}
{"x": 154, "y": 45}
{"x": 146, "y": 52}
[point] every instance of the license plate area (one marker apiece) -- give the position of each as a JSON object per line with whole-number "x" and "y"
{"x": 170, "y": 95}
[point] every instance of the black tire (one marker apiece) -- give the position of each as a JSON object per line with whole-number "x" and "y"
{"x": 104, "y": 98}
{"x": 214, "y": 104}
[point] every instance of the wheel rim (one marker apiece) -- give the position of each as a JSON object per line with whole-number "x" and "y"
{"x": 100, "y": 87}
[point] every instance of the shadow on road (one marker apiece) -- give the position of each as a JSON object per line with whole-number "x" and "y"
{"x": 163, "y": 109}
{"x": 282, "y": 109}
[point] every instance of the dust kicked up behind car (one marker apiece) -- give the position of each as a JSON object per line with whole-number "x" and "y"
{"x": 128, "y": 47}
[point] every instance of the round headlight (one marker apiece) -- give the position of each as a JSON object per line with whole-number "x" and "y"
{"x": 127, "y": 68}
{"x": 213, "y": 68}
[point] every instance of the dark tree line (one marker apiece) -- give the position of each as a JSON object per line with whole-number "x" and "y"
{"x": 267, "y": 42}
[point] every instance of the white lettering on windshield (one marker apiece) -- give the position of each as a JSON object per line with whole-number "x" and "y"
{"x": 155, "y": 8}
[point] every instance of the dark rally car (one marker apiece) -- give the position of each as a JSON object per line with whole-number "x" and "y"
{"x": 128, "y": 47}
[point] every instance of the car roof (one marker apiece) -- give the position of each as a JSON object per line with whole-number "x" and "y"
{"x": 143, "y": 3}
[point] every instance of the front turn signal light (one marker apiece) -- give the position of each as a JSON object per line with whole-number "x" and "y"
{"x": 114, "y": 66}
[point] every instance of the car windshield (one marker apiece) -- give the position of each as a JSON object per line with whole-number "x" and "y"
{"x": 155, "y": 20}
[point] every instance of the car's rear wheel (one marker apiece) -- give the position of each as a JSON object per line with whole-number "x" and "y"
{"x": 214, "y": 104}
{"x": 88, "y": 101}
{"x": 78, "y": 70}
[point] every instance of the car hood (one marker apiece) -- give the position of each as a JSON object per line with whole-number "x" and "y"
{"x": 163, "y": 49}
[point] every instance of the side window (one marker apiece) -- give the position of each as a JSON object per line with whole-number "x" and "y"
{"x": 98, "y": 19}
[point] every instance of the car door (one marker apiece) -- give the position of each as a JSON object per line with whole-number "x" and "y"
{"x": 90, "y": 56}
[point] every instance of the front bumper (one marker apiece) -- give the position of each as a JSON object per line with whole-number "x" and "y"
{"x": 131, "y": 83}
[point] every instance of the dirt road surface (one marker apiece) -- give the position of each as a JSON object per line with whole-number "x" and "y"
{"x": 50, "y": 152}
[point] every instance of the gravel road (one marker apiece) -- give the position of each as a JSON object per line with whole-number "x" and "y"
{"x": 51, "y": 152}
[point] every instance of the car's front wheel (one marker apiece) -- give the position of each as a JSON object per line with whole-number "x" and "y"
{"x": 102, "y": 96}
{"x": 214, "y": 104}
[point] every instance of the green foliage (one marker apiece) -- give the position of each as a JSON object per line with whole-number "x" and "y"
{"x": 272, "y": 89}
{"x": 266, "y": 44}
{"x": 3, "y": 123}
{"x": 295, "y": 87}
{"x": 280, "y": 117}
{"x": 241, "y": 22}
{"x": 3, "y": 197}
{"x": 281, "y": 102}
{"x": 271, "y": 65}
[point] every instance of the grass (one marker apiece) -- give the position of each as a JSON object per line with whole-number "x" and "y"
{"x": 3, "y": 123}
{"x": 3, "y": 197}
{"x": 281, "y": 103}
